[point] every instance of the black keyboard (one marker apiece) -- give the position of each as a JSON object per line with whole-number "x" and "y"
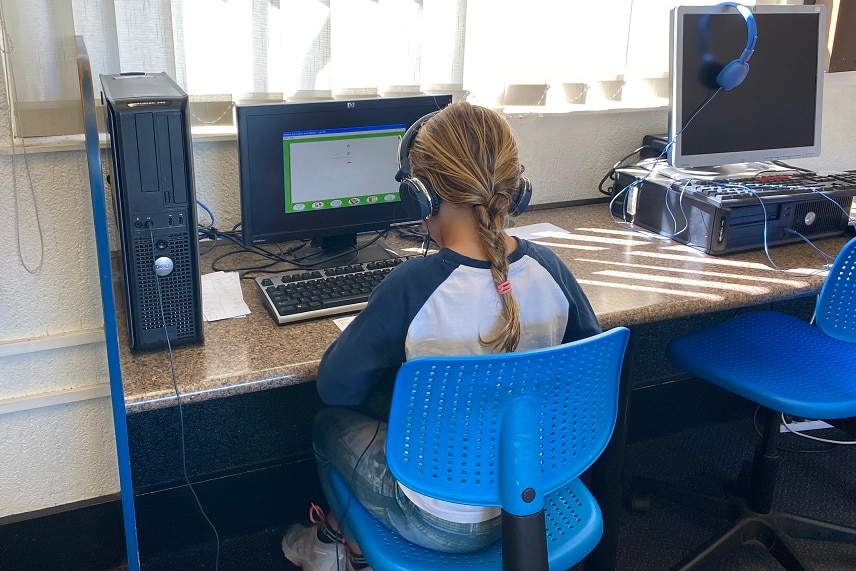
{"x": 308, "y": 294}
{"x": 731, "y": 192}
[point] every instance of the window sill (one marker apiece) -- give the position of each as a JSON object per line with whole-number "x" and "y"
{"x": 213, "y": 133}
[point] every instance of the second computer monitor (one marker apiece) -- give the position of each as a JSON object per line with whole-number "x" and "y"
{"x": 774, "y": 113}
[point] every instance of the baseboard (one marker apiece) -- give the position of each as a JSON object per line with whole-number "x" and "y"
{"x": 242, "y": 504}
{"x": 84, "y": 536}
{"x": 89, "y": 536}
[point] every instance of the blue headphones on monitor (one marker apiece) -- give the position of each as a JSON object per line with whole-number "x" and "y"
{"x": 736, "y": 70}
{"x": 418, "y": 190}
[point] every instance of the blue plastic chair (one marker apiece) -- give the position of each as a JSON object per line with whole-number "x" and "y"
{"x": 512, "y": 430}
{"x": 787, "y": 366}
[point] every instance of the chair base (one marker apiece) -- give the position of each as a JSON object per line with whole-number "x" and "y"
{"x": 755, "y": 519}
{"x": 773, "y": 530}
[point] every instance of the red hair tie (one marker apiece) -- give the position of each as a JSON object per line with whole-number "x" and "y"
{"x": 504, "y": 287}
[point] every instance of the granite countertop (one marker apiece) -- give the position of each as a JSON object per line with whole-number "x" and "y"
{"x": 630, "y": 277}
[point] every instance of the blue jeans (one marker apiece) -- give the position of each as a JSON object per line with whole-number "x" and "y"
{"x": 354, "y": 444}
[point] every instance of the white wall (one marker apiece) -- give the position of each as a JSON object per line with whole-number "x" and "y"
{"x": 53, "y": 454}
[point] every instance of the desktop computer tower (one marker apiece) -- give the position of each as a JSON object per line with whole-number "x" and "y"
{"x": 154, "y": 200}
{"x": 657, "y": 205}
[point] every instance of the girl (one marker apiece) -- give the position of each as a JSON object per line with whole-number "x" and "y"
{"x": 482, "y": 292}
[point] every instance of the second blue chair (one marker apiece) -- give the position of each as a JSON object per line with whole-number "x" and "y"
{"x": 785, "y": 365}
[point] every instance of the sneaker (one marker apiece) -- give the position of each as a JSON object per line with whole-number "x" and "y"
{"x": 302, "y": 547}
{"x": 352, "y": 568}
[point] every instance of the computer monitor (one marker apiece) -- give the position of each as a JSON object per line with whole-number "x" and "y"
{"x": 325, "y": 170}
{"x": 775, "y": 113}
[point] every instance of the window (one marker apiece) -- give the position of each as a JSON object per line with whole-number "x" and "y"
{"x": 538, "y": 53}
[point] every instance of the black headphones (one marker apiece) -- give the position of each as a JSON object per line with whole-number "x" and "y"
{"x": 736, "y": 70}
{"x": 418, "y": 190}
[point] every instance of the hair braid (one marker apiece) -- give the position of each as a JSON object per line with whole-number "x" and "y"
{"x": 469, "y": 156}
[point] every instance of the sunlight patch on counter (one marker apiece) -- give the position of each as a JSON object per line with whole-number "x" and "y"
{"x": 706, "y": 284}
{"x": 635, "y": 287}
{"x": 696, "y": 272}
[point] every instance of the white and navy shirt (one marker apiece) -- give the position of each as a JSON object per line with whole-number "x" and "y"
{"x": 442, "y": 305}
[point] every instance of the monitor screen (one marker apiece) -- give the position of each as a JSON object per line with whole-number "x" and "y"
{"x": 775, "y": 113}
{"x": 324, "y": 170}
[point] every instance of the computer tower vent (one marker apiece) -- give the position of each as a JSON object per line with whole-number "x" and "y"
{"x": 821, "y": 217}
{"x": 169, "y": 291}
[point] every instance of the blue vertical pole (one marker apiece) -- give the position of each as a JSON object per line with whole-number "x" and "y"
{"x": 111, "y": 331}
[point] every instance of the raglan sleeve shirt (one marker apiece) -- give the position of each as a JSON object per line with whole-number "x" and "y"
{"x": 426, "y": 302}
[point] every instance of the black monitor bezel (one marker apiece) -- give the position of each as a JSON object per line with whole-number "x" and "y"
{"x": 261, "y": 177}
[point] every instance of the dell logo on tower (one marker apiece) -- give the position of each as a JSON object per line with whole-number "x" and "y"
{"x": 163, "y": 266}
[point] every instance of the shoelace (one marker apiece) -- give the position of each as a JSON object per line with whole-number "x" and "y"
{"x": 319, "y": 518}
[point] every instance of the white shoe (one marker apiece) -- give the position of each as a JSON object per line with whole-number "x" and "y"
{"x": 302, "y": 547}
{"x": 351, "y": 567}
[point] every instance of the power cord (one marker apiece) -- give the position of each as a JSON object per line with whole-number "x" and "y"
{"x": 787, "y": 425}
{"x": 610, "y": 174}
{"x": 181, "y": 412}
{"x": 638, "y": 182}
{"x": 353, "y": 479}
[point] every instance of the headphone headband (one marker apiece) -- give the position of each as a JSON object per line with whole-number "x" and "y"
{"x": 404, "y": 146}
{"x": 736, "y": 70}
{"x": 419, "y": 190}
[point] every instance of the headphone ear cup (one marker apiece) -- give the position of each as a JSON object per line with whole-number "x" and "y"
{"x": 424, "y": 202}
{"x": 521, "y": 198}
{"x": 732, "y": 74}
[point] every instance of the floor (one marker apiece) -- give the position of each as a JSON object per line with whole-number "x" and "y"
{"x": 815, "y": 480}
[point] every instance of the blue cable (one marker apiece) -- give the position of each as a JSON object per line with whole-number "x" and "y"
{"x": 664, "y": 152}
{"x": 210, "y": 215}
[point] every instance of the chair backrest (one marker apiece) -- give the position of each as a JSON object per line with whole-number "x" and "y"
{"x": 835, "y": 312}
{"x": 448, "y": 427}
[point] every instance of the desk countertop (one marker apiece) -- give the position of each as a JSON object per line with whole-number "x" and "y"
{"x": 630, "y": 277}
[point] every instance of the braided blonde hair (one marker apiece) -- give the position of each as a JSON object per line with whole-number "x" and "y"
{"x": 469, "y": 156}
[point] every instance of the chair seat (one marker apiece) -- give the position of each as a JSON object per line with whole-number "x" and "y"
{"x": 573, "y": 519}
{"x": 775, "y": 360}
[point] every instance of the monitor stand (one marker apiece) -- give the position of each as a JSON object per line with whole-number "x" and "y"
{"x": 343, "y": 250}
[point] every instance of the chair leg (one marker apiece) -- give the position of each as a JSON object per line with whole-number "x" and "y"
{"x": 765, "y": 467}
{"x": 719, "y": 506}
{"x": 747, "y": 530}
{"x": 755, "y": 520}
{"x": 800, "y": 527}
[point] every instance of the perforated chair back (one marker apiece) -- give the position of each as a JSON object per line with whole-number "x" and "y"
{"x": 454, "y": 419}
{"x": 835, "y": 312}
{"x": 513, "y": 430}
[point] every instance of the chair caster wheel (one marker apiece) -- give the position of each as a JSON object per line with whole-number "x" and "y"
{"x": 639, "y": 503}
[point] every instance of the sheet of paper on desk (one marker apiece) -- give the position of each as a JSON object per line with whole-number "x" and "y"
{"x": 536, "y": 231}
{"x": 222, "y": 297}
{"x": 343, "y": 322}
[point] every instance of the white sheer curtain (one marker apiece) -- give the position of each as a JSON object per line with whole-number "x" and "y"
{"x": 225, "y": 51}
